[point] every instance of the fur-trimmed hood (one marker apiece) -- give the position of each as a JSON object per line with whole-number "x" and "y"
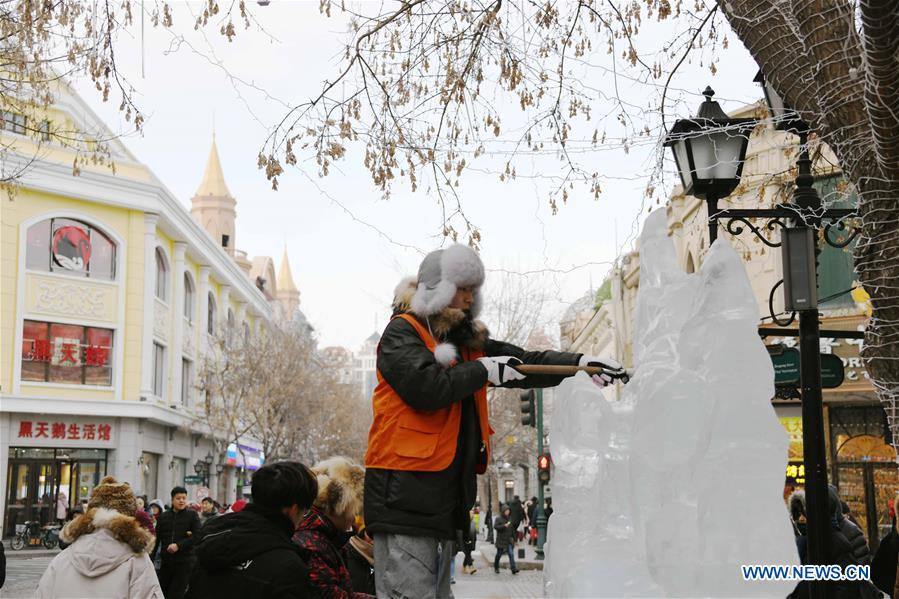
{"x": 125, "y": 529}
{"x": 451, "y": 326}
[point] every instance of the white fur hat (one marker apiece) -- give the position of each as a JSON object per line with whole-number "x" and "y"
{"x": 441, "y": 273}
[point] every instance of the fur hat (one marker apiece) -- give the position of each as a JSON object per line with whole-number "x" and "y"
{"x": 441, "y": 273}
{"x": 113, "y": 495}
{"x": 340, "y": 487}
{"x": 124, "y": 528}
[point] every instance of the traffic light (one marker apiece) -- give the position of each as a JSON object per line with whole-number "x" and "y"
{"x": 543, "y": 463}
{"x": 528, "y": 415}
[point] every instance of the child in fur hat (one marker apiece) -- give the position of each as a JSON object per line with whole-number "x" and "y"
{"x": 108, "y": 552}
{"x": 325, "y": 530}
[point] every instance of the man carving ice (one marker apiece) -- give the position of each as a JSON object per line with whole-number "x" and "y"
{"x": 430, "y": 435}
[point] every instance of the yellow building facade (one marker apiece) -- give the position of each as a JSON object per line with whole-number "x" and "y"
{"x": 110, "y": 291}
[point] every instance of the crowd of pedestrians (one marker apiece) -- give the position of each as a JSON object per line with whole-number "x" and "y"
{"x": 301, "y": 535}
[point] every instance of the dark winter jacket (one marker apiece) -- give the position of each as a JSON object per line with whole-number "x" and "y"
{"x": 437, "y": 503}
{"x": 853, "y": 533}
{"x": 358, "y": 554}
{"x": 320, "y": 545}
{"x": 517, "y": 512}
{"x": 840, "y": 554}
{"x": 503, "y": 533}
{"x": 883, "y": 566}
{"x": 180, "y": 528}
{"x": 249, "y": 554}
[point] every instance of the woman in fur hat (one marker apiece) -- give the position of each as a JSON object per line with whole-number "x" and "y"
{"x": 325, "y": 530}
{"x": 108, "y": 552}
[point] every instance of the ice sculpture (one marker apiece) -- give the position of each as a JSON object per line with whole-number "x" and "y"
{"x": 670, "y": 490}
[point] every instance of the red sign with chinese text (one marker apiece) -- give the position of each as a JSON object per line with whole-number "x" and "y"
{"x": 61, "y": 431}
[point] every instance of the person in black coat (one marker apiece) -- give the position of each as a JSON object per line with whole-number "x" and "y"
{"x": 852, "y": 532}
{"x": 883, "y": 566}
{"x": 504, "y": 544}
{"x": 249, "y": 553}
{"x": 516, "y": 515}
{"x": 176, "y": 533}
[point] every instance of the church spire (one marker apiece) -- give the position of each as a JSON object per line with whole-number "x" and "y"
{"x": 285, "y": 277}
{"x": 288, "y": 295}
{"x": 213, "y": 183}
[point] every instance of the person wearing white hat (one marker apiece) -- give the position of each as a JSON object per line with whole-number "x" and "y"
{"x": 430, "y": 434}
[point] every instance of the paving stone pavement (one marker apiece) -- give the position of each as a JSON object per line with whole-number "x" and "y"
{"x": 22, "y": 576}
{"x": 485, "y": 584}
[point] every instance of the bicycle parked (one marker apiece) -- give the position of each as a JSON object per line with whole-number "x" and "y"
{"x": 31, "y": 534}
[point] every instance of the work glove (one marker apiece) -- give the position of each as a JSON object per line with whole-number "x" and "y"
{"x": 613, "y": 370}
{"x": 500, "y": 370}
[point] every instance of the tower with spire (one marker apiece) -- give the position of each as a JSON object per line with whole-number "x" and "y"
{"x": 213, "y": 206}
{"x": 287, "y": 295}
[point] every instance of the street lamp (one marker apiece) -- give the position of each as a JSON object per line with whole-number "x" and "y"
{"x": 219, "y": 468}
{"x": 709, "y": 151}
{"x": 785, "y": 118}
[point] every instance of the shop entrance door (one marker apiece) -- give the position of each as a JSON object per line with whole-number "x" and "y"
{"x": 866, "y": 478}
{"x": 31, "y": 493}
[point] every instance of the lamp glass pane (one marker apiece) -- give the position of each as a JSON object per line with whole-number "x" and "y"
{"x": 683, "y": 164}
{"x": 717, "y": 155}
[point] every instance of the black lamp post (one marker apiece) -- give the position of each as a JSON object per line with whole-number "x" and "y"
{"x": 799, "y": 254}
{"x": 203, "y": 467}
{"x": 709, "y": 150}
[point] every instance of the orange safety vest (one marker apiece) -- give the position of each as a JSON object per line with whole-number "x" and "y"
{"x": 402, "y": 438}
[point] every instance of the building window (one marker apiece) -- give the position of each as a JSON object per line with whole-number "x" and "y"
{"x": 230, "y": 320}
{"x": 210, "y": 313}
{"x": 246, "y": 334}
{"x": 71, "y": 247}
{"x": 44, "y": 130}
{"x": 158, "y": 369}
{"x": 66, "y": 353}
{"x": 161, "y": 275}
{"x": 188, "y": 298}
{"x": 187, "y": 375}
{"x": 13, "y": 121}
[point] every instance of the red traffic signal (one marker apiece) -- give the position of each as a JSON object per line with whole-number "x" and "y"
{"x": 544, "y": 461}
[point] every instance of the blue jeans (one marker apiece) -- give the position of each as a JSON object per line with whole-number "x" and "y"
{"x": 510, "y": 551}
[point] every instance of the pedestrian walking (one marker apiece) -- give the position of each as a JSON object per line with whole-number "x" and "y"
{"x": 798, "y": 517}
{"x": 142, "y": 516}
{"x": 323, "y": 533}
{"x": 208, "y": 510}
{"x": 250, "y": 553}
{"x": 108, "y": 551}
{"x": 503, "y": 543}
{"x": 176, "y": 532}
{"x": 467, "y": 543}
{"x": 62, "y": 507}
{"x": 430, "y": 435}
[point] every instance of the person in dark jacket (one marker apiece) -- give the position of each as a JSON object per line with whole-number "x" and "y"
{"x": 852, "y": 532}
{"x": 516, "y": 516}
{"x": 249, "y": 553}
{"x": 841, "y": 554}
{"x": 430, "y": 435}
{"x": 886, "y": 561}
{"x": 176, "y": 532}
{"x": 322, "y": 535}
{"x": 208, "y": 510}
{"x": 798, "y": 516}
{"x": 504, "y": 545}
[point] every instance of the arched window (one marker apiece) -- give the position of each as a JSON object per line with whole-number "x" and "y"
{"x": 246, "y": 333}
{"x": 188, "y": 297}
{"x": 72, "y": 247}
{"x": 691, "y": 267}
{"x": 230, "y": 320}
{"x": 210, "y": 313}
{"x": 162, "y": 271}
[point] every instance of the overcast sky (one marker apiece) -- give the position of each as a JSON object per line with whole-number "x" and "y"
{"x": 348, "y": 257}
